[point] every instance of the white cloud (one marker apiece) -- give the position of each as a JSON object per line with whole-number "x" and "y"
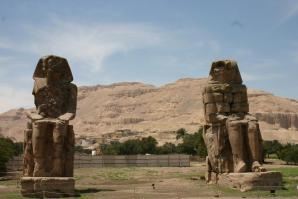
{"x": 11, "y": 98}
{"x": 214, "y": 46}
{"x": 90, "y": 44}
{"x": 263, "y": 77}
{"x": 264, "y": 63}
{"x": 290, "y": 11}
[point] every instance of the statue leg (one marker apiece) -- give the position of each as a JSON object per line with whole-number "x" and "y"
{"x": 255, "y": 145}
{"x": 39, "y": 136}
{"x": 236, "y": 138}
{"x": 69, "y": 152}
{"x": 59, "y": 136}
{"x": 28, "y": 153}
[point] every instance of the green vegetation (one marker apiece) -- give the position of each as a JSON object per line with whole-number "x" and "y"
{"x": 272, "y": 148}
{"x": 80, "y": 149}
{"x": 192, "y": 144}
{"x": 287, "y": 153}
{"x": 8, "y": 149}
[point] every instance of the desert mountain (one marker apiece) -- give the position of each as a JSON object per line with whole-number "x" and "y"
{"x": 130, "y": 110}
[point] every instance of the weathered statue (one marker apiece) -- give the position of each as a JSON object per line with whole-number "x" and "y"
{"x": 49, "y": 139}
{"x": 232, "y": 136}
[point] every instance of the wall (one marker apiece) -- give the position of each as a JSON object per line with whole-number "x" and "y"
{"x": 88, "y": 161}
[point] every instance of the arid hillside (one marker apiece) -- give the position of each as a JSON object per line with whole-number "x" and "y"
{"x": 129, "y": 110}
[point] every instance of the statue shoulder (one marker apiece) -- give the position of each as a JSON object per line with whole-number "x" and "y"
{"x": 73, "y": 87}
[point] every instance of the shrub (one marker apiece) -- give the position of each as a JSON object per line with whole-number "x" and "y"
{"x": 7, "y": 150}
{"x": 289, "y": 153}
{"x": 192, "y": 144}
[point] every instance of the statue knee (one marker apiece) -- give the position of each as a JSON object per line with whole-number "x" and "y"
{"x": 29, "y": 125}
{"x": 253, "y": 127}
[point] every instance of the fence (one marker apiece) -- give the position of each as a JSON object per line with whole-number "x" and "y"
{"x": 87, "y": 161}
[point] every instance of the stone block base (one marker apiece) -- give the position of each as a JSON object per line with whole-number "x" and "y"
{"x": 50, "y": 187}
{"x": 270, "y": 180}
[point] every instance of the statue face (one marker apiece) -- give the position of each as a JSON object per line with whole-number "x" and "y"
{"x": 54, "y": 69}
{"x": 225, "y": 72}
{"x": 54, "y": 72}
{"x": 219, "y": 73}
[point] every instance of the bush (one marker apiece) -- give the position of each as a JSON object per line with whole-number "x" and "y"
{"x": 192, "y": 144}
{"x": 289, "y": 154}
{"x": 167, "y": 148}
{"x": 131, "y": 147}
{"x": 7, "y": 151}
{"x": 149, "y": 145}
{"x": 272, "y": 147}
{"x": 80, "y": 149}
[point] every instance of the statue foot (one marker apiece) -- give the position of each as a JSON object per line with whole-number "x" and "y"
{"x": 257, "y": 167}
{"x": 240, "y": 167}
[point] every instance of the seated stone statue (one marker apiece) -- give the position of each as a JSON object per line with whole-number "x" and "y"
{"x": 49, "y": 139}
{"x": 231, "y": 134}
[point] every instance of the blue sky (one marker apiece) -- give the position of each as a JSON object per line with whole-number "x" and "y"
{"x": 151, "y": 41}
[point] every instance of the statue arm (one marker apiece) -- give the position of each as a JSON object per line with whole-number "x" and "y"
{"x": 221, "y": 117}
{"x": 72, "y": 104}
{"x": 34, "y": 115}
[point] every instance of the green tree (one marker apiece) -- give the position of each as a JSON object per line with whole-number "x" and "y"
{"x": 272, "y": 147}
{"x": 130, "y": 147}
{"x": 180, "y": 133}
{"x": 18, "y": 148}
{"x": 80, "y": 149}
{"x": 192, "y": 144}
{"x": 289, "y": 153}
{"x": 148, "y": 145}
{"x": 6, "y": 152}
{"x": 167, "y": 148}
{"x": 111, "y": 149}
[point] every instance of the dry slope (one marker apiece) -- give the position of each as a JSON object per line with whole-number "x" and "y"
{"x": 126, "y": 110}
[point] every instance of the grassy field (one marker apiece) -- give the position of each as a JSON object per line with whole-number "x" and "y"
{"x": 157, "y": 182}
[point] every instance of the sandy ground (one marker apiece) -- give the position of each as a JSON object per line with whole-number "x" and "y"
{"x": 146, "y": 182}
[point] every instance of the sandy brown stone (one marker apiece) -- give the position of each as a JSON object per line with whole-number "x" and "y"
{"x": 51, "y": 187}
{"x": 49, "y": 139}
{"x": 252, "y": 180}
{"x": 231, "y": 135}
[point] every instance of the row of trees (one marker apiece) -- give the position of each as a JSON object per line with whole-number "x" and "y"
{"x": 8, "y": 149}
{"x": 192, "y": 144}
{"x": 287, "y": 153}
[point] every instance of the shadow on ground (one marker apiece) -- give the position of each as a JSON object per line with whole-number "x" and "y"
{"x": 90, "y": 190}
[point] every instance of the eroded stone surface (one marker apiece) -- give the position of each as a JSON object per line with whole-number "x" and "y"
{"x": 231, "y": 134}
{"x": 48, "y": 138}
{"x": 50, "y": 187}
{"x": 270, "y": 180}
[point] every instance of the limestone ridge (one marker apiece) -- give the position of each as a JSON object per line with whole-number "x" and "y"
{"x": 130, "y": 110}
{"x": 280, "y": 120}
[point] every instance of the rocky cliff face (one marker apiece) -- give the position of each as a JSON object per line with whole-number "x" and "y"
{"x": 131, "y": 110}
{"x": 279, "y": 120}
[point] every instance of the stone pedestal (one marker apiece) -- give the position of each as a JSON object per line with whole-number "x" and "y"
{"x": 50, "y": 187}
{"x": 266, "y": 181}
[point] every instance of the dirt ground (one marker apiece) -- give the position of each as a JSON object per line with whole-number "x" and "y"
{"x": 158, "y": 183}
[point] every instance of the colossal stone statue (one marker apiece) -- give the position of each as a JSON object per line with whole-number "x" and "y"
{"x": 232, "y": 136}
{"x": 226, "y": 112}
{"x": 49, "y": 138}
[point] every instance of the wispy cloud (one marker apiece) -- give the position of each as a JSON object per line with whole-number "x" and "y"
{"x": 90, "y": 44}
{"x": 264, "y": 63}
{"x": 12, "y": 98}
{"x": 290, "y": 11}
{"x": 262, "y": 77}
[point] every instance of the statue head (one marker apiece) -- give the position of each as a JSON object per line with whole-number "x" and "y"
{"x": 225, "y": 71}
{"x": 55, "y": 69}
